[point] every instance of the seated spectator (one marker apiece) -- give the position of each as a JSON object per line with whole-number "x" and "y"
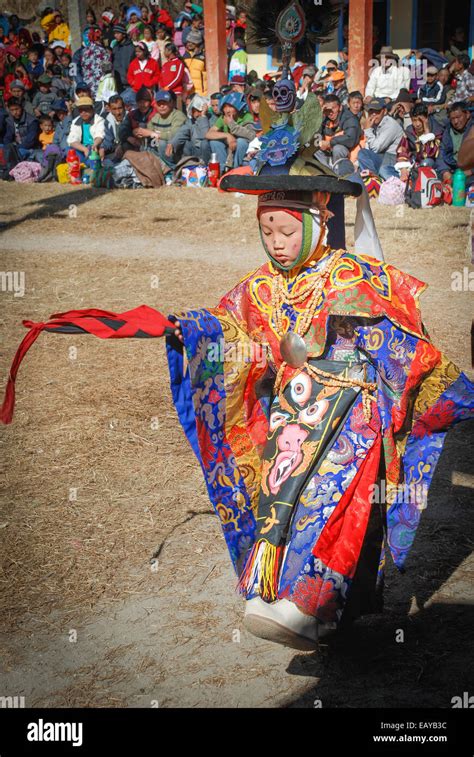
{"x": 173, "y": 73}
{"x": 163, "y": 127}
{"x": 238, "y": 84}
{"x": 143, "y": 70}
{"x": 195, "y": 61}
{"x": 239, "y": 59}
{"x": 190, "y": 138}
{"x": 151, "y": 43}
{"x": 401, "y": 109}
{"x": 382, "y": 139}
{"x": 339, "y": 89}
{"x": 457, "y": 44}
{"x": 234, "y": 129}
{"x": 111, "y": 150}
{"x": 344, "y": 60}
{"x": 63, "y": 125}
{"x": 19, "y": 74}
{"x": 388, "y": 78}
{"x": 60, "y": 86}
{"x": 321, "y": 78}
{"x": 34, "y": 65}
{"x": 44, "y": 98}
{"x": 341, "y": 132}
{"x": 21, "y": 134}
{"x": 465, "y": 79}
{"x": 215, "y": 109}
{"x": 18, "y": 92}
{"x": 87, "y": 131}
{"x": 431, "y": 93}
{"x": 420, "y": 143}
{"x": 46, "y": 132}
{"x": 163, "y": 37}
{"x": 254, "y": 97}
{"x": 460, "y": 123}
{"x": 305, "y": 85}
{"x": 355, "y": 103}
{"x": 136, "y": 120}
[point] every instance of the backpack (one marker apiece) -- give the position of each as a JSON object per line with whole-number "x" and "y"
{"x": 423, "y": 189}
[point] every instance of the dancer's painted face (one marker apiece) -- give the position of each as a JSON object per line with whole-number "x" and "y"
{"x": 282, "y": 235}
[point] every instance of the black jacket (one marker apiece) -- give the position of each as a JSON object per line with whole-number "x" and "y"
{"x": 28, "y": 128}
{"x": 122, "y": 54}
{"x": 349, "y": 124}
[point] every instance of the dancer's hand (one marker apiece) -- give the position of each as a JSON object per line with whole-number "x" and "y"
{"x": 178, "y": 333}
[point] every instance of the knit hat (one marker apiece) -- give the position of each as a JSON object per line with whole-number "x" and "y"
{"x": 119, "y": 28}
{"x": 108, "y": 16}
{"x": 17, "y": 83}
{"x": 195, "y": 37}
{"x": 44, "y": 79}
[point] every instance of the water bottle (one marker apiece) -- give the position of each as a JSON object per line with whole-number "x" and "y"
{"x": 213, "y": 170}
{"x": 74, "y": 167}
{"x": 459, "y": 188}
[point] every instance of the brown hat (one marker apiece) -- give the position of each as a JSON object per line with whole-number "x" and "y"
{"x": 84, "y": 102}
{"x": 386, "y": 51}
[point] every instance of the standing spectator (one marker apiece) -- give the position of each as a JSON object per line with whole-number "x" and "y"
{"x": 162, "y": 39}
{"x": 143, "y": 71}
{"x": 21, "y": 134}
{"x": 234, "y": 129}
{"x": 183, "y": 21}
{"x": 173, "y": 73}
{"x": 341, "y": 133}
{"x": 457, "y": 44}
{"x": 382, "y": 139}
{"x": 34, "y": 65}
{"x": 87, "y": 131}
{"x": 60, "y": 30}
{"x": 151, "y": 43}
{"x": 122, "y": 55}
{"x": 460, "y": 123}
{"x": 107, "y": 19}
{"x": 239, "y": 58}
{"x": 388, "y": 78}
{"x": 93, "y": 58}
{"x": 195, "y": 61}
{"x": 107, "y": 87}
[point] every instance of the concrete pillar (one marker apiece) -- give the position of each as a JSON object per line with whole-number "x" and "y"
{"x": 216, "y": 48}
{"x": 76, "y": 14}
{"x": 360, "y": 42}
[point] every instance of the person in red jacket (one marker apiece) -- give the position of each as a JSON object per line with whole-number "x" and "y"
{"x": 143, "y": 70}
{"x": 173, "y": 73}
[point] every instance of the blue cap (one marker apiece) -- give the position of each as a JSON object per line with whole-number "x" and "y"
{"x": 236, "y": 99}
{"x": 163, "y": 94}
{"x": 59, "y": 105}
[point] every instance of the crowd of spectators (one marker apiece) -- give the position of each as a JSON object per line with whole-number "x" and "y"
{"x": 138, "y": 84}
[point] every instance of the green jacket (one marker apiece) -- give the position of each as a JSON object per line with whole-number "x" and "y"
{"x": 169, "y": 126}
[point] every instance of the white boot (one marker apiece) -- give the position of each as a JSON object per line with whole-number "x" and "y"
{"x": 283, "y": 623}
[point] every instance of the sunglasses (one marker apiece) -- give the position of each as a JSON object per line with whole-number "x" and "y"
{"x": 330, "y": 70}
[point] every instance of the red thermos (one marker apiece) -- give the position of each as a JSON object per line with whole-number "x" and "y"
{"x": 74, "y": 166}
{"x": 213, "y": 171}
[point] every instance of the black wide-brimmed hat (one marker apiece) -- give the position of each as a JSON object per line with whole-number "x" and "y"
{"x": 261, "y": 183}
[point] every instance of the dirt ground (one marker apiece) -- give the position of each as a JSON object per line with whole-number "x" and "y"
{"x": 116, "y": 587}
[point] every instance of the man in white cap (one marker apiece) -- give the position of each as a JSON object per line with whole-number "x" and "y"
{"x": 432, "y": 92}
